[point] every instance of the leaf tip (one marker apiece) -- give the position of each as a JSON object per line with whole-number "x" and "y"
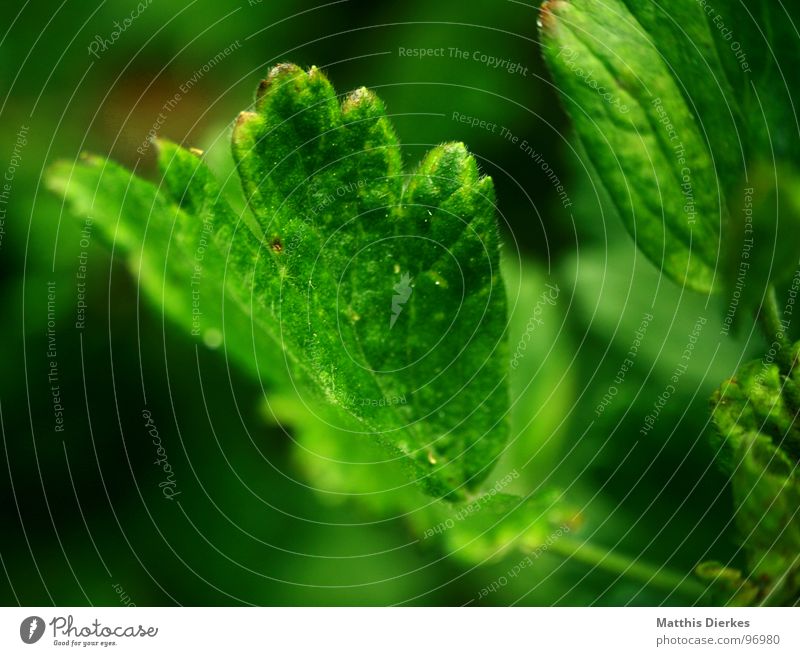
{"x": 276, "y": 73}
{"x": 245, "y": 116}
{"x": 54, "y": 178}
{"x": 548, "y": 14}
{"x": 360, "y": 98}
{"x": 163, "y": 146}
{"x": 455, "y": 158}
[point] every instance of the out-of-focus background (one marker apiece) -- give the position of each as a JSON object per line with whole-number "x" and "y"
{"x": 84, "y": 520}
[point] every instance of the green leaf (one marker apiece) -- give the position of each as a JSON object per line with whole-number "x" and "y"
{"x": 629, "y": 110}
{"x": 759, "y": 51}
{"x": 696, "y": 53}
{"x": 376, "y": 293}
{"x": 755, "y": 414}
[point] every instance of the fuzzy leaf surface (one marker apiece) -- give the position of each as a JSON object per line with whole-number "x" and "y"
{"x": 375, "y": 294}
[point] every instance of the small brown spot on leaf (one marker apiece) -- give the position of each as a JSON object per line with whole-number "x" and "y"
{"x": 277, "y": 245}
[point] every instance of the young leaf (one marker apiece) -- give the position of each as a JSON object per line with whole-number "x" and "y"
{"x": 325, "y": 183}
{"x": 755, "y": 414}
{"x": 766, "y": 492}
{"x": 639, "y": 131}
{"x": 376, "y": 286}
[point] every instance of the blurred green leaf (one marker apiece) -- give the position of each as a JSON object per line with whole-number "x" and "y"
{"x": 168, "y": 238}
{"x": 542, "y": 380}
{"x": 761, "y": 240}
{"x": 758, "y": 48}
{"x": 617, "y": 293}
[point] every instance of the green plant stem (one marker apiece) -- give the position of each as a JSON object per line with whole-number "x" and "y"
{"x": 591, "y": 554}
{"x": 769, "y": 319}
